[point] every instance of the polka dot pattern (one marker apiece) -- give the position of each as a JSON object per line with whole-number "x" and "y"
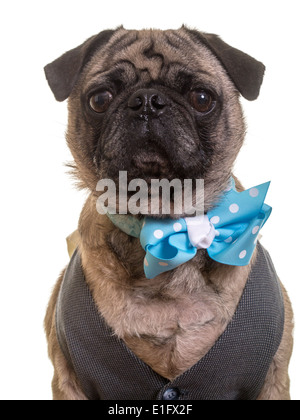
{"x": 177, "y": 227}
{"x": 229, "y": 240}
{"x": 233, "y": 226}
{"x": 215, "y": 220}
{"x": 158, "y": 233}
{"x": 243, "y": 254}
{"x": 253, "y": 192}
{"x": 234, "y": 208}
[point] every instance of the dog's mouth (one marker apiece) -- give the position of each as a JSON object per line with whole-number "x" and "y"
{"x": 151, "y": 165}
{"x": 149, "y": 184}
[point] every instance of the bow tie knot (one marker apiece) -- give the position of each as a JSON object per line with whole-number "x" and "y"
{"x": 229, "y": 232}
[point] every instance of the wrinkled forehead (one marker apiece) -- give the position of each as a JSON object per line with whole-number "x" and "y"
{"x": 152, "y": 54}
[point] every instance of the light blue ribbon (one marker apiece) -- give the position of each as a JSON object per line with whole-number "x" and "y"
{"x": 237, "y": 221}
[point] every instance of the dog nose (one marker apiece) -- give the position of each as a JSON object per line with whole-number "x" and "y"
{"x": 147, "y": 102}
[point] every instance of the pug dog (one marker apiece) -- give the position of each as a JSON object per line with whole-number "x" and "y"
{"x": 161, "y": 104}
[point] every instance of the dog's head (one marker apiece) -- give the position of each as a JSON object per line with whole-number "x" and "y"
{"x": 157, "y": 104}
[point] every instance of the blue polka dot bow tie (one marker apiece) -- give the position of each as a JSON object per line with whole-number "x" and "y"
{"x": 229, "y": 232}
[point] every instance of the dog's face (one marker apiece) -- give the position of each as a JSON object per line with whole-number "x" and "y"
{"x": 157, "y": 104}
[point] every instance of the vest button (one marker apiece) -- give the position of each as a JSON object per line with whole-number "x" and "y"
{"x": 171, "y": 394}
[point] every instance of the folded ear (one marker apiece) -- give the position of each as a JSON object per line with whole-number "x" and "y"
{"x": 63, "y": 72}
{"x": 245, "y": 72}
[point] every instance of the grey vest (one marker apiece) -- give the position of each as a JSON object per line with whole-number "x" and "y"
{"x": 233, "y": 369}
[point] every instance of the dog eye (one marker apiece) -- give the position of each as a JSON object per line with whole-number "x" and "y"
{"x": 202, "y": 101}
{"x": 100, "y": 101}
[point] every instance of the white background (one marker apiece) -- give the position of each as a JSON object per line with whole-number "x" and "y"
{"x": 39, "y": 205}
